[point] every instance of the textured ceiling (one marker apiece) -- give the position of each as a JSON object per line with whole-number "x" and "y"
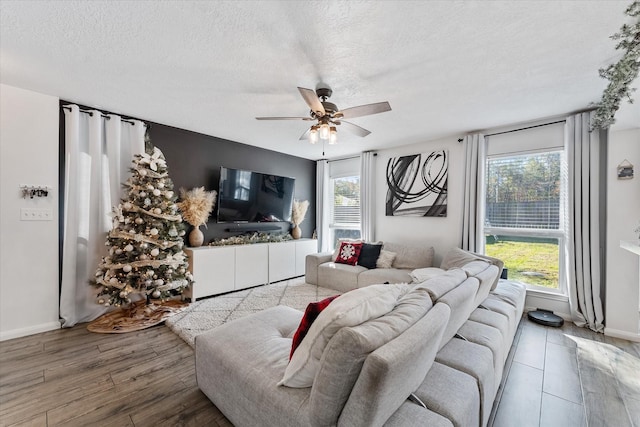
{"x": 446, "y": 67}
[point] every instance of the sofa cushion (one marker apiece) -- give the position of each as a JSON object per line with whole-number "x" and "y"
{"x": 487, "y": 277}
{"x": 419, "y": 275}
{"x": 474, "y": 268}
{"x": 311, "y": 313}
{"x": 348, "y": 253}
{"x": 511, "y": 292}
{"x": 383, "y": 275}
{"x": 341, "y": 277}
{"x": 394, "y": 371}
{"x": 244, "y": 375}
{"x": 410, "y": 257}
{"x": 350, "y": 309}
{"x": 438, "y": 286}
{"x": 457, "y": 257}
{"x": 345, "y": 354}
{"x": 496, "y": 320}
{"x": 385, "y": 260}
{"x": 489, "y": 337}
{"x": 369, "y": 254}
{"x": 474, "y": 360}
{"x": 512, "y": 314}
{"x": 461, "y": 301}
{"x": 452, "y": 394}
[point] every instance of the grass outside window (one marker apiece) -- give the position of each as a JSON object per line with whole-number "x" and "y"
{"x": 534, "y": 261}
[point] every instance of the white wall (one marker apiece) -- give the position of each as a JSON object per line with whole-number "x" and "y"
{"x": 623, "y": 216}
{"x": 441, "y": 233}
{"x": 28, "y": 249}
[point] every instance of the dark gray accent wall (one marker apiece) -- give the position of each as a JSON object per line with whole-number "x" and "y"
{"x": 194, "y": 160}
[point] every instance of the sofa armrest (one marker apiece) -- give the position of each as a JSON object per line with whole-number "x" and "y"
{"x": 312, "y": 262}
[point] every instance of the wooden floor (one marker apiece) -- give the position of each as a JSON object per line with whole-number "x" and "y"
{"x": 77, "y": 378}
{"x": 74, "y": 377}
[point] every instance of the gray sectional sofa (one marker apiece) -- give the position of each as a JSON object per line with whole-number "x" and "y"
{"x": 435, "y": 359}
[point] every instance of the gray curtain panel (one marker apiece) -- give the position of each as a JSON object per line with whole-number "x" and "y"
{"x": 475, "y": 157}
{"x": 322, "y": 204}
{"x": 585, "y": 221}
{"x": 367, "y": 195}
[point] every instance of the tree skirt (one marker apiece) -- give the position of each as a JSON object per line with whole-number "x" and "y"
{"x": 137, "y": 316}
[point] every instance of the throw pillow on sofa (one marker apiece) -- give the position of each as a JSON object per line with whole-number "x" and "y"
{"x": 385, "y": 260}
{"x": 349, "y": 309}
{"x": 348, "y": 253}
{"x": 369, "y": 254}
{"x": 336, "y": 251}
{"x": 311, "y": 313}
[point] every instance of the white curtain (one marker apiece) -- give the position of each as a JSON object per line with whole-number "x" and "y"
{"x": 323, "y": 205}
{"x": 367, "y": 196}
{"x": 98, "y": 154}
{"x": 585, "y": 221}
{"x": 475, "y": 154}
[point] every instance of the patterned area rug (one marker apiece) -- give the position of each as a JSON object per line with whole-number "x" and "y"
{"x": 209, "y": 313}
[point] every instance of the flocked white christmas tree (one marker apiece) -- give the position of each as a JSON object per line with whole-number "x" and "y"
{"x": 145, "y": 257}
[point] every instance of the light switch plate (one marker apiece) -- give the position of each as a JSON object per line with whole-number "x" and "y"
{"x": 36, "y": 214}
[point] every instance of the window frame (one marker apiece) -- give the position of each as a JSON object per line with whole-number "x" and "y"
{"x": 560, "y": 233}
{"x": 333, "y": 226}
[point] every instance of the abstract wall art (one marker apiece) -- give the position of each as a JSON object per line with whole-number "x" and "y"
{"x": 417, "y": 185}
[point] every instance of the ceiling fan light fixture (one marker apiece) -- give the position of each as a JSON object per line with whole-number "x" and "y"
{"x": 333, "y": 138}
{"x": 313, "y": 134}
{"x": 324, "y": 131}
{"x": 326, "y": 113}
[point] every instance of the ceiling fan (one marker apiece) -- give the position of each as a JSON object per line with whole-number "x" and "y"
{"x": 328, "y": 116}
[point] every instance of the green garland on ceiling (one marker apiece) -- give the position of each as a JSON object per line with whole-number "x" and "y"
{"x": 622, "y": 73}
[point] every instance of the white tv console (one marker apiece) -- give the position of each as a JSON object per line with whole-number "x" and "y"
{"x": 220, "y": 269}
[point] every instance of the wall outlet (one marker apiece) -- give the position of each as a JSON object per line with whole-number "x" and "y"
{"x": 35, "y": 214}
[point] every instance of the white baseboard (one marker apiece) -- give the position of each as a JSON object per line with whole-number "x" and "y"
{"x": 31, "y": 330}
{"x": 557, "y": 303}
{"x": 625, "y": 335}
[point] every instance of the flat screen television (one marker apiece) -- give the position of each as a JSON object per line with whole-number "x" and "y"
{"x": 246, "y": 196}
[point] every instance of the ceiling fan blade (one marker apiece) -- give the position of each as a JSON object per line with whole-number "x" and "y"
{"x": 363, "y": 110}
{"x": 312, "y": 101}
{"x": 284, "y": 118}
{"x": 360, "y": 131}
{"x": 305, "y": 135}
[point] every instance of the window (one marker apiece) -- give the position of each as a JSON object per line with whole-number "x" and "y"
{"x": 524, "y": 200}
{"x": 344, "y": 195}
{"x": 345, "y": 210}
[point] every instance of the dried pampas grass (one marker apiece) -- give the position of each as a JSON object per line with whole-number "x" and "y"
{"x": 298, "y": 211}
{"x": 196, "y": 205}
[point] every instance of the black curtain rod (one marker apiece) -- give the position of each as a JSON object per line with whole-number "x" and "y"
{"x": 89, "y": 112}
{"x": 344, "y": 158}
{"x": 528, "y": 127}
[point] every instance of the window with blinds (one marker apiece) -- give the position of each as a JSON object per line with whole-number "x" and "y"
{"x": 525, "y": 188}
{"x": 345, "y": 209}
{"x": 523, "y": 191}
{"x": 346, "y": 201}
